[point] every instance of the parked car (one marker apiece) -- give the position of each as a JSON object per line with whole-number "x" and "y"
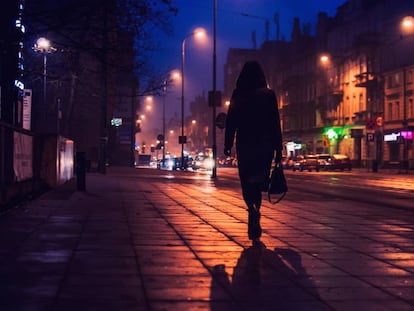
{"x": 334, "y": 162}
{"x": 306, "y": 162}
{"x": 340, "y": 162}
{"x": 324, "y": 161}
{"x": 287, "y": 162}
{"x": 228, "y": 162}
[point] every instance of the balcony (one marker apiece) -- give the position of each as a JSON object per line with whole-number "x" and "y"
{"x": 366, "y": 79}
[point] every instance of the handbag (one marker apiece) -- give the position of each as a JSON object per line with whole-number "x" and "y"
{"x": 277, "y": 184}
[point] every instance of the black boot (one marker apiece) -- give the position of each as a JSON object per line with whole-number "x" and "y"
{"x": 254, "y": 229}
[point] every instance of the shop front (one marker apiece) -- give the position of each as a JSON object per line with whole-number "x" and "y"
{"x": 398, "y": 149}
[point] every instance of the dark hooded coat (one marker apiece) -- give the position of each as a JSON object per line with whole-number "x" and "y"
{"x": 253, "y": 119}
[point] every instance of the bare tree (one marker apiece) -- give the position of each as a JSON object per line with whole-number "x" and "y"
{"x": 103, "y": 51}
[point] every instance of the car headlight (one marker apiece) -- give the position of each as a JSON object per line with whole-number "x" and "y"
{"x": 209, "y": 163}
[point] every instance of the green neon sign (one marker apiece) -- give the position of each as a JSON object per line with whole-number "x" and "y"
{"x": 332, "y": 134}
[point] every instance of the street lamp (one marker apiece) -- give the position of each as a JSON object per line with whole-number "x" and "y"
{"x": 407, "y": 28}
{"x": 43, "y": 46}
{"x": 324, "y": 59}
{"x": 214, "y": 146}
{"x": 407, "y": 25}
{"x": 198, "y": 33}
{"x": 164, "y": 93}
{"x": 174, "y": 76}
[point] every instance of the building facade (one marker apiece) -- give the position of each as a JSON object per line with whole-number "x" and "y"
{"x": 347, "y": 88}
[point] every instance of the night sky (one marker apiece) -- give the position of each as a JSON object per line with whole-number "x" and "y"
{"x": 236, "y": 20}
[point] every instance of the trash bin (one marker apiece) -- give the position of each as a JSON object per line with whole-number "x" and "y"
{"x": 375, "y": 166}
{"x": 81, "y": 171}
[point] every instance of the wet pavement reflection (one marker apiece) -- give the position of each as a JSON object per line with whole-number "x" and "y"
{"x": 142, "y": 239}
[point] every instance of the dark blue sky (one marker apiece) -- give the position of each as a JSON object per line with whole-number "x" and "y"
{"x": 236, "y": 20}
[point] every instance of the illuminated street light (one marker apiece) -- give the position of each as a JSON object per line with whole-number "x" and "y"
{"x": 214, "y": 146}
{"x": 198, "y": 33}
{"x": 43, "y": 46}
{"x": 407, "y": 24}
{"x": 407, "y": 28}
{"x": 324, "y": 59}
{"x": 175, "y": 75}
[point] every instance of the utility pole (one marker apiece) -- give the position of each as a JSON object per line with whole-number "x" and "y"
{"x": 103, "y": 139}
{"x": 214, "y": 146}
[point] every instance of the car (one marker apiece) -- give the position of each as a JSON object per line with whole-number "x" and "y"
{"x": 287, "y": 162}
{"x": 306, "y": 162}
{"x": 172, "y": 163}
{"x": 228, "y": 162}
{"x": 202, "y": 162}
{"x": 340, "y": 162}
{"x": 324, "y": 161}
{"x": 334, "y": 162}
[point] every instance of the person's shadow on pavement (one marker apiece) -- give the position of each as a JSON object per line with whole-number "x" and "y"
{"x": 265, "y": 280}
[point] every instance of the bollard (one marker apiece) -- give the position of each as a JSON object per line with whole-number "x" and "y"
{"x": 375, "y": 166}
{"x": 81, "y": 171}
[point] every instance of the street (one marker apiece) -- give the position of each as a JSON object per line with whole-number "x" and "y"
{"x": 147, "y": 239}
{"x": 389, "y": 188}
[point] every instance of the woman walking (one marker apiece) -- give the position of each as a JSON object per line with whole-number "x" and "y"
{"x": 253, "y": 119}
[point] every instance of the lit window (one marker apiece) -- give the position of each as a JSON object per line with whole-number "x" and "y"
{"x": 390, "y": 117}
{"x": 397, "y": 110}
{"x": 397, "y": 79}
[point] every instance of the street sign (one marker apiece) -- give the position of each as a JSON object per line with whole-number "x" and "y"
{"x": 370, "y": 124}
{"x": 221, "y": 120}
{"x": 379, "y": 121}
{"x": 370, "y": 136}
{"x": 182, "y": 139}
{"x": 27, "y": 109}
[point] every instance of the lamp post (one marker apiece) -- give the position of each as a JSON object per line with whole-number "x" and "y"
{"x": 199, "y": 32}
{"x": 214, "y": 146}
{"x": 407, "y": 28}
{"x": 164, "y": 93}
{"x": 174, "y": 76}
{"x": 43, "y": 46}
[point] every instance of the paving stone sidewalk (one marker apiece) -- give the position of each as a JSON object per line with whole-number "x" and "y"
{"x": 141, "y": 239}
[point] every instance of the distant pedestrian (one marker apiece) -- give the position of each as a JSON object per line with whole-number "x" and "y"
{"x": 253, "y": 119}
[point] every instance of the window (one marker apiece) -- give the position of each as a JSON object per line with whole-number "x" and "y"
{"x": 396, "y": 79}
{"x": 390, "y": 116}
{"x": 410, "y": 108}
{"x": 409, "y": 77}
{"x": 397, "y": 111}
{"x": 389, "y": 82}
